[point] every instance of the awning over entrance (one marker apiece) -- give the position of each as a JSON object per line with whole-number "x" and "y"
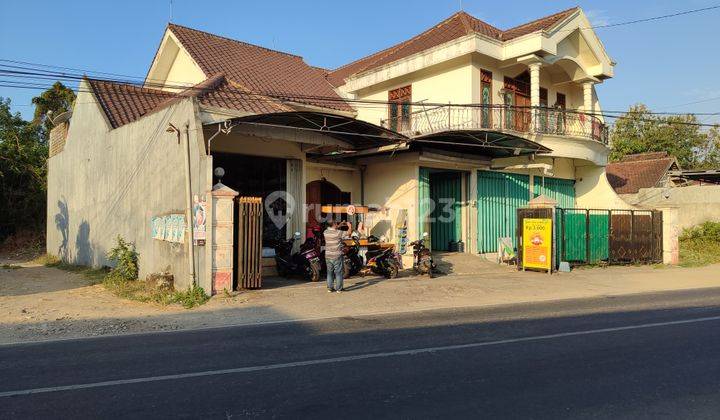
{"x": 350, "y": 133}
{"x": 486, "y": 143}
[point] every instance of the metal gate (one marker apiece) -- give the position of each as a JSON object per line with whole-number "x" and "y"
{"x": 615, "y": 236}
{"x": 635, "y": 236}
{"x": 249, "y": 242}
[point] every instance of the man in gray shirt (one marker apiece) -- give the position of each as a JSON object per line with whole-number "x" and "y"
{"x": 334, "y": 256}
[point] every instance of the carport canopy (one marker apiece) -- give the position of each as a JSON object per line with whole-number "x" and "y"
{"x": 480, "y": 142}
{"x": 350, "y": 134}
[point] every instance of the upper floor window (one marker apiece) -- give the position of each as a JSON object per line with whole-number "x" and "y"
{"x": 400, "y": 109}
{"x": 485, "y": 98}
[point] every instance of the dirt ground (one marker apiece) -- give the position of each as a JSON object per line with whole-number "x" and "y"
{"x": 41, "y": 303}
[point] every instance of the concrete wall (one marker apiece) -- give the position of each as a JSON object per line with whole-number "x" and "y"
{"x": 593, "y": 191}
{"x": 111, "y": 182}
{"x": 695, "y": 204}
{"x": 393, "y": 185}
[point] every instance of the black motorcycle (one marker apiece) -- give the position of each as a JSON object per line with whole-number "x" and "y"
{"x": 306, "y": 262}
{"x": 385, "y": 262}
{"x": 352, "y": 261}
{"x": 422, "y": 257}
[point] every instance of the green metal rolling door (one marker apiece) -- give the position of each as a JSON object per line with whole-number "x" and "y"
{"x": 423, "y": 200}
{"x": 446, "y": 216}
{"x": 499, "y": 196}
{"x": 560, "y": 190}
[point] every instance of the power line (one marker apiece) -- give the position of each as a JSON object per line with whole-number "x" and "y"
{"x": 632, "y": 22}
{"x": 23, "y": 73}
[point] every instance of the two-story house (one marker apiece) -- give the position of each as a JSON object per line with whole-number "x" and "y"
{"x": 465, "y": 81}
{"x": 448, "y": 132}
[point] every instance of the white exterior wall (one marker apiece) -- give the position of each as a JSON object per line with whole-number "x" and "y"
{"x": 107, "y": 183}
{"x": 393, "y": 185}
{"x": 446, "y": 83}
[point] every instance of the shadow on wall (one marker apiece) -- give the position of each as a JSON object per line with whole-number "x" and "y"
{"x": 84, "y": 252}
{"x": 382, "y": 228}
{"x": 62, "y": 224}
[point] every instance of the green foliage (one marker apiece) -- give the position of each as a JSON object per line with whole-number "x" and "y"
{"x": 700, "y": 245}
{"x": 639, "y": 131}
{"x": 125, "y": 258}
{"x": 22, "y": 173}
{"x": 51, "y": 103}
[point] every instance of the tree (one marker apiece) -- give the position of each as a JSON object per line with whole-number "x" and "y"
{"x": 22, "y": 172}
{"x": 640, "y": 131}
{"x": 51, "y": 103}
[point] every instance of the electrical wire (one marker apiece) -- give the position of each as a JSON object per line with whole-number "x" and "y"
{"x": 20, "y": 73}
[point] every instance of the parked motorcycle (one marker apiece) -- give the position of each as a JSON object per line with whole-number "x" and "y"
{"x": 385, "y": 262}
{"x": 352, "y": 261}
{"x": 306, "y": 262}
{"x": 422, "y": 257}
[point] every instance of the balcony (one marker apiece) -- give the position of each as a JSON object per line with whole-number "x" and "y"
{"x": 516, "y": 120}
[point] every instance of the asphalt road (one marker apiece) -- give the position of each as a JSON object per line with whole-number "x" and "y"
{"x": 644, "y": 356}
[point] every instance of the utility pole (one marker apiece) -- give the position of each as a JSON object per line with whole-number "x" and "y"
{"x": 188, "y": 209}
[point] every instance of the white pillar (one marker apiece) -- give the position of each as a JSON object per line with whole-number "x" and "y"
{"x": 588, "y": 97}
{"x": 534, "y": 92}
{"x": 588, "y": 107}
{"x": 223, "y": 228}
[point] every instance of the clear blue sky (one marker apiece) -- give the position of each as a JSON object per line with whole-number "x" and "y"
{"x": 663, "y": 64}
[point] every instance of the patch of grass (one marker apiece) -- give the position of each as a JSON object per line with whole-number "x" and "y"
{"x": 10, "y": 267}
{"x": 121, "y": 284}
{"x": 145, "y": 291}
{"x": 48, "y": 260}
{"x": 700, "y": 245}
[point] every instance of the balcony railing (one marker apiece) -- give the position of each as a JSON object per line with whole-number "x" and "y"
{"x": 435, "y": 119}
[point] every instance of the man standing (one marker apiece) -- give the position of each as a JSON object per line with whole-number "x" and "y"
{"x": 334, "y": 256}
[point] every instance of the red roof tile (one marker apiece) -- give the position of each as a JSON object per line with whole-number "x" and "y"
{"x": 456, "y": 26}
{"x": 124, "y": 103}
{"x": 645, "y": 170}
{"x": 259, "y": 70}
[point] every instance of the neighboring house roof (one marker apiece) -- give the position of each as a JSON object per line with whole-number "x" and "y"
{"x": 458, "y": 25}
{"x": 644, "y": 170}
{"x": 124, "y": 103}
{"x": 258, "y": 70}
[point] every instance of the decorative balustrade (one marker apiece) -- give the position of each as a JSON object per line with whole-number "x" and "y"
{"x": 435, "y": 119}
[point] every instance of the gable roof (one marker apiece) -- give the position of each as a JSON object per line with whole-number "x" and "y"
{"x": 259, "y": 71}
{"x": 458, "y": 25}
{"x": 124, "y": 103}
{"x": 644, "y": 170}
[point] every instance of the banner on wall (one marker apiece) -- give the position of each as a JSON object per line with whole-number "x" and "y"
{"x": 199, "y": 219}
{"x": 537, "y": 243}
{"x": 170, "y": 228}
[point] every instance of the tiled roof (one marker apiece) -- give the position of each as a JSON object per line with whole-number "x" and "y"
{"x": 259, "y": 70}
{"x": 633, "y": 172}
{"x": 456, "y": 26}
{"x": 124, "y": 103}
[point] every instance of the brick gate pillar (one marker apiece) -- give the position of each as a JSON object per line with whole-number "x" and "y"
{"x": 222, "y": 238}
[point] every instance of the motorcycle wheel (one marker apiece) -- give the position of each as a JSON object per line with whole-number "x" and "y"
{"x": 312, "y": 272}
{"x": 391, "y": 271}
{"x": 347, "y": 266}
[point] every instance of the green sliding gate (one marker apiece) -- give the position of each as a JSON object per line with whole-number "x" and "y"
{"x": 499, "y": 196}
